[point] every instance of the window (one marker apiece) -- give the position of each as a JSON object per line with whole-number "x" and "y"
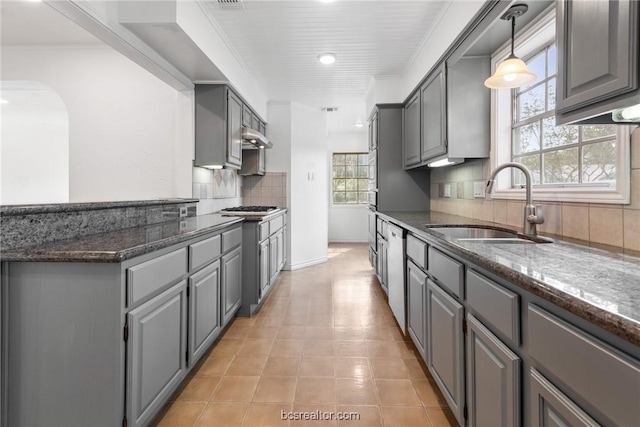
{"x": 350, "y": 178}
{"x": 568, "y": 163}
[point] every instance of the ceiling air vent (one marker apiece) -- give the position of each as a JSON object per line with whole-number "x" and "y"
{"x": 231, "y": 4}
{"x": 329, "y": 109}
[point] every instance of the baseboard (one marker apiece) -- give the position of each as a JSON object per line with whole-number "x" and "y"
{"x": 348, "y": 241}
{"x": 307, "y": 263}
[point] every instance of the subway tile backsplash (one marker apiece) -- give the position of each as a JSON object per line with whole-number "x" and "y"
{"x": 613, "y": 225}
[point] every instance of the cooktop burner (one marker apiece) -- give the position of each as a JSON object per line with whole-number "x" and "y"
{"x": 249, "y": 210}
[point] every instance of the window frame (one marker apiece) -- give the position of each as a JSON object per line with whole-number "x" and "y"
{"x": 529, "y": 40}
{"x": 332, "y": 191}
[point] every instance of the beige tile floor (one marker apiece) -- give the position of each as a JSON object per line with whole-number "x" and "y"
{"x": 325, "y": 340}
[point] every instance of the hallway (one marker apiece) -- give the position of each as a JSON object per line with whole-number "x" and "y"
{"x": 326, "y": 341}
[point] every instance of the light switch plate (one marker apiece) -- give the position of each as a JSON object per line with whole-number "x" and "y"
{"x": 478, "y": 188}
{"x": 447, "y": 190}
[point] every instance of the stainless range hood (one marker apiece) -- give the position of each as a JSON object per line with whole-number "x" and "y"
{"x": 251, "y": 138}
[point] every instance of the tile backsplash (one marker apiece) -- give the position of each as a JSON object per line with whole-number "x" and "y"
{"x": 267, "y": 190}
{"x": 613, "y": 225}
{"x": 219, "y": 189}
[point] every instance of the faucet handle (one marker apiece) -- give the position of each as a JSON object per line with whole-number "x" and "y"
{"x": 537, "y": 216}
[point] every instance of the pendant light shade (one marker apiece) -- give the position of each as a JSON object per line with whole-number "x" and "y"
{"x": 512, "y": 72}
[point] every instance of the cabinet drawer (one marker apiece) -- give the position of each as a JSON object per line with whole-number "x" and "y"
{"x": 606, "y": 379}
{"x": 417, "y": 251}
{"x": 497, "y": 305}
{"x": 448, "y": 273}
{"x": 202, "y": 252}
{"x": 276, "y": 224}
{"x": 263, "y": 230}
{"x": 231, "y": 239}
{"x": 150, "y": 276}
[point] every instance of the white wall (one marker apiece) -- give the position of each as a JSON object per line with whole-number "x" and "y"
{"x": 346, "y": 223}
{"x": 130, "y": 134}
{"x": 300, "y": 149}
{"x": 35, "y": 145}
{"x": 309, "y": 197}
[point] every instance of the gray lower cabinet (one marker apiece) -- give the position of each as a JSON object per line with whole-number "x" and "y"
{"x": 493, "y": 379}
{"x": 204, "y": 310}
{"x": 263, "y": 255}
{"x": 416, "y": 298}
{"x": 156, "y": 354}
{"x": 263, "y": 268}
{"x": 231, "y": 284}
{"x": 551, "y": 408}
{"x": 382, "y": 264}
{"x": 445, "y": 346}
{"x": 106, "y": 344}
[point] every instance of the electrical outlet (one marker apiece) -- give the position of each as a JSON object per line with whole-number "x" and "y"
{"x": 478, "y": 188}
{"x": 447, "y": 190}
{"x": 183, "y": 225}
{"x": 183, "y": 211}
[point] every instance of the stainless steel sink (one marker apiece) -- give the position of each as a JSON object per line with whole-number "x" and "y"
{"x": 487, "y": 235}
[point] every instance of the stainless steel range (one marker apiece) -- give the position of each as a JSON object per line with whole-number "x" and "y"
{"x": 249, "y": 210}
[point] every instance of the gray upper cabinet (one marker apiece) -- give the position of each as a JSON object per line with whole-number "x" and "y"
{"x": 204, "y": 310}
{"x": 433, "y": 116}
{"x": 445, "y": 346}
{"x": 597, "y": 57}
{"x": 218, "y": 133}
{"x": 493, "y": 379}
{"x": 411, "y": 132}
{"x": 156, "y": 355}
{"x": 246, "y": 116}
{"x": 450, "y": 115}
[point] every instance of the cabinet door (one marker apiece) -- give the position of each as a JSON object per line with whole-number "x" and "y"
{"x": 231, "y": 283}
{"x": 280, "y": 245}
{"x": 597, "y": 51}
{"x": 156, "y": 353}
{"x": 416, "y": 293}
{"x": 263, "y": 254}
{"x": 273, "y": 259}
{"x": 493, "y": 379}
{"x": 551, "y": 408}
{"x": 373, "y": 133}
{"x": 411, "y": 131}
{"x": 434, "y": 120}
{"x": 371, "y": 217}
{"x": 234, "y": 130}
{"x": 246, "y": 116}
{"x": 204, "y": 310}
{"x": 255, "y": 122}
{"x": 445, "y": 346}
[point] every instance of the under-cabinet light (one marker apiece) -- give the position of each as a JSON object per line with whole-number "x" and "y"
{"x": 629, "y": 114}
{"x": 212, "y": 166}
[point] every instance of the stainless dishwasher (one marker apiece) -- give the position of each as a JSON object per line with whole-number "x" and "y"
{"x": 395, "y": 274}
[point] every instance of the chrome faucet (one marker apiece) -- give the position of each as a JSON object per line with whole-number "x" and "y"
{"x": 532, "y": 214}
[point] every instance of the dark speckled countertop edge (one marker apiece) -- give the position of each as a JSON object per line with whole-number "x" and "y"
{"x": 616, "y": 324}
{"x": 86, "y": 256}
{"x": 9, "y": 210}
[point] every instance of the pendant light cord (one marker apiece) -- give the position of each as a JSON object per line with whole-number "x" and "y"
{"x": 513, "y": 34}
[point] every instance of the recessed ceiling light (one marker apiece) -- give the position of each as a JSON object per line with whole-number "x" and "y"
{"x": 359, "y": 124}
{"x": 327, "y": 58}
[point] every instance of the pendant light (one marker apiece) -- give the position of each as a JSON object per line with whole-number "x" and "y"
{"x": 512, "y": 72}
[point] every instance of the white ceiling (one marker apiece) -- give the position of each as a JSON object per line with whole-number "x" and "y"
{"x": 279, "y": 43}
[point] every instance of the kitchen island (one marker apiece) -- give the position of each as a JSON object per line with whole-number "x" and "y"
{"x": 101, "y": 329}
{"x": 518, "y": 333}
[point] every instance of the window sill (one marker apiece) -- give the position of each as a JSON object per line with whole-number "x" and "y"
{"x": 568, "y": 195}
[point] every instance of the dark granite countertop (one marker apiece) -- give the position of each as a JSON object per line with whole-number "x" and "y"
{"x": 120, "y": 245}
{"x": 8, "y": 210}
{"x": 600, "y": 286}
